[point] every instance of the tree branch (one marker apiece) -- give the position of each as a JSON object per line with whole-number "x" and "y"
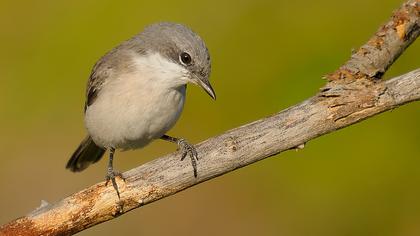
{"x": 387, "y": 44}
{"x": 350, "y": 96}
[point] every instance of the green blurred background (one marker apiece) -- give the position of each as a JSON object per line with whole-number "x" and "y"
{"x": 267, "y": 55}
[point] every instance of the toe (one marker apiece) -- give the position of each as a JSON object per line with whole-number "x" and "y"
{"x": 184, "y": 154}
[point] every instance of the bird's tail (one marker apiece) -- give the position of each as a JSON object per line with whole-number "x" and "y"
{"x": 87, "y": 153}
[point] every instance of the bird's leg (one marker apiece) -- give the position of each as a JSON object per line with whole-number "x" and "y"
{"x": 186, "y": 149}
{"x": 111, "y": 174}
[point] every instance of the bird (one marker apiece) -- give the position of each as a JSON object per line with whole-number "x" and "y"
{"x": 136, "y": 93}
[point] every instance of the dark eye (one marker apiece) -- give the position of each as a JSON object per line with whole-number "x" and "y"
{"x": 185, "y": 58}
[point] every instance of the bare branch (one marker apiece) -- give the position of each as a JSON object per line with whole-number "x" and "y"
{"x": 348, "y": 98}
{"x": 389, "y": 42}
{"x": 333, "y": 109}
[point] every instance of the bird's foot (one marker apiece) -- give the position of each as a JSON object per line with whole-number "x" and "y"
{"x": 110, "y": 176}
{"x": 188, "y": 149}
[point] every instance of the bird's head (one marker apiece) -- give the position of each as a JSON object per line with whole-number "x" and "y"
{"x": 183, "y": 49}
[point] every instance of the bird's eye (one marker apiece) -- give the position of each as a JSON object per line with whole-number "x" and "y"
{"x": 185, "y": 58}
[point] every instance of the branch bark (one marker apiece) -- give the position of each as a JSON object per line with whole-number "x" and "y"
{"x": 352, "y": 94}
{"x": 385, "y": 46}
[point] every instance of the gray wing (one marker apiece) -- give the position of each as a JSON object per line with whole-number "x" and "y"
{"x": 98, "y": 76}
{"x": 106, "y": 68}
{"x": 117, "y": 60}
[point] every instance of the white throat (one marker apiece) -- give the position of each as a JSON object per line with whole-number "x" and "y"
{"x": 161, "y": 70}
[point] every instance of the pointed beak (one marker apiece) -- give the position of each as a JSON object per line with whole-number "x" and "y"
{"x": 204, "y": 83}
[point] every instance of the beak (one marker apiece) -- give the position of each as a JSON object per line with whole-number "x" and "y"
{"x": 205, "y": 84}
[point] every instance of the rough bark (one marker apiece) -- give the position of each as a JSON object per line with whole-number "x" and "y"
{"x": 373, "y": 58}
{"x": 354, "y": 93}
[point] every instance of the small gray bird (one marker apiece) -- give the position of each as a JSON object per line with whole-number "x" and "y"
{"x": 136, "y": 93}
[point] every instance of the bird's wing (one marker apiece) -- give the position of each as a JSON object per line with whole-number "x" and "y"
{"x": 101, "y": 72}
{"x": 117, "y": 60}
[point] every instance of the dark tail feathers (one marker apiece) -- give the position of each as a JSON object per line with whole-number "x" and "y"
{"x": 87, "y": 153}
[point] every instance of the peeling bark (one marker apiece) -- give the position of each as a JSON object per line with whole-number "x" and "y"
{"x": 387, "y": 44}
{"x": 352, "y": 94}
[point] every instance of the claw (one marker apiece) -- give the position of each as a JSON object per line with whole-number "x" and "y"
{"x": 184, "y": 154}
{"x": 111, "y": 177}
{"x": 188, "y": 149}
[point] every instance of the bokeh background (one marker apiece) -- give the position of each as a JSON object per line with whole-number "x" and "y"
{"x": 267, "y": 55}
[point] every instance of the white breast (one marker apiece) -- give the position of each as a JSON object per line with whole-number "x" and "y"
{"x": 134, "y": 108}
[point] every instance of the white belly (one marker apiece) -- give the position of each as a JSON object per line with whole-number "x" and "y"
{"x": 129, "y": 113}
